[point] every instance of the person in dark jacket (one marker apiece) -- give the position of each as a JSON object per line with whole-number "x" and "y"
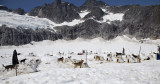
{"x": 14, "y": 58}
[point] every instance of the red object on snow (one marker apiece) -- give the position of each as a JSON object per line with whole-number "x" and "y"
{"x": 80, "y": 53}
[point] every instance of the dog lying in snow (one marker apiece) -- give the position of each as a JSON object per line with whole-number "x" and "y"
{"x": 97, "y": 58}
{"x": 148, "y": 58}
{"x": 60, "y": 59}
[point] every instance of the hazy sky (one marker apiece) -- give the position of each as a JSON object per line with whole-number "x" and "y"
{"x": 27, "y": 5}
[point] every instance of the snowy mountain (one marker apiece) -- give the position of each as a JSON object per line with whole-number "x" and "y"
{"x": 63, "y": 20}
{"x": 90, "y": 36}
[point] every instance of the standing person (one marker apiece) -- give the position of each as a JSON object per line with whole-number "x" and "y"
{"x": 14, "y": 58}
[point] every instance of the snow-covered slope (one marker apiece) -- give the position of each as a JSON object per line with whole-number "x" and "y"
{"x": 83, "y": 13}
{"x": 101, "y": 72}
{"x": 24, "y": 21}
{"x": 111, "y": 16}
{"x": 14, "y": 20}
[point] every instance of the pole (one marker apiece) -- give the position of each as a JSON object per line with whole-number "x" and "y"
{"x": 139, "y": 59}
{"x": 16, "y": 69}
{"x": 86, "y": 56}
{"x": 139, "y": 51}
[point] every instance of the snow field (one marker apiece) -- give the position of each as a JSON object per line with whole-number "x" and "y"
{"x": 100, "y": 72}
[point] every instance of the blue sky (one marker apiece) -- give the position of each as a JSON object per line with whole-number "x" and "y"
{"x": 27, "y": 5}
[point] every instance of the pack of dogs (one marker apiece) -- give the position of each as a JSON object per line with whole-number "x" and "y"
{"x": 75, "y": 62}
{"x": 7, "y": 67}
{"x": 121, "y": 58}
{"x": 32, "y": 62}
{"x": 118, "y": 58}
{"x": 78, "y": 63}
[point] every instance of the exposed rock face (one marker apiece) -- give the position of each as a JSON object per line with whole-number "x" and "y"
{"x": 90, "y": 4}
{"x": 35, "y": 11}
{"x": 89, "y": 29}
{"x": 143, "y": 22}
{"x": 5, "y": 8}
{"x": 95, "y": 13}
{"x": 19, "y": 11}
{"x": 56, "y": 11}
{"x": 19, "y": 36}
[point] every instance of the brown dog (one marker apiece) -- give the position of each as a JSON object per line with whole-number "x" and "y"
{"x": 97, "y": 58}
{"x": 60, "y": 59}
{"x": 78, "y": 64}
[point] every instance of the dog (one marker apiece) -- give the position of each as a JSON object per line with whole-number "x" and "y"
{"x": 97, "y": 58}
{"x": 78, "y": 64}
{"x": 23, "y": 61}
{"x": 67, "y": 59}
{"x": 7, "y": 67}
{"x": 148, "y": 58}
{"x": 60, "y": 59}
{"x": 137, "y": 57}
{"x": 117, "y": 54}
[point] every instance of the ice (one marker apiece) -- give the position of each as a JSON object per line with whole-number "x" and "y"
{"x": 113, "y": 17}
{"x": 109, "y": 17}
{"x": 83, "y": 13}
{"x": 72, "y": 23}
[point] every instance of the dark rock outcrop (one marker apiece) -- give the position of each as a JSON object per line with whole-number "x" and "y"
{"x": 143, "y": 22}
{"x": 5, "y": 8}
{"x": 89, "y": 29}
{"x": 90, "y": 4}
{"x": 96, "y": 13}
{"x": 19, "y": 11}
{"x": 122, "y": 9}
{"x": 56, "y": 11}
{"x": 20, "y": 36}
